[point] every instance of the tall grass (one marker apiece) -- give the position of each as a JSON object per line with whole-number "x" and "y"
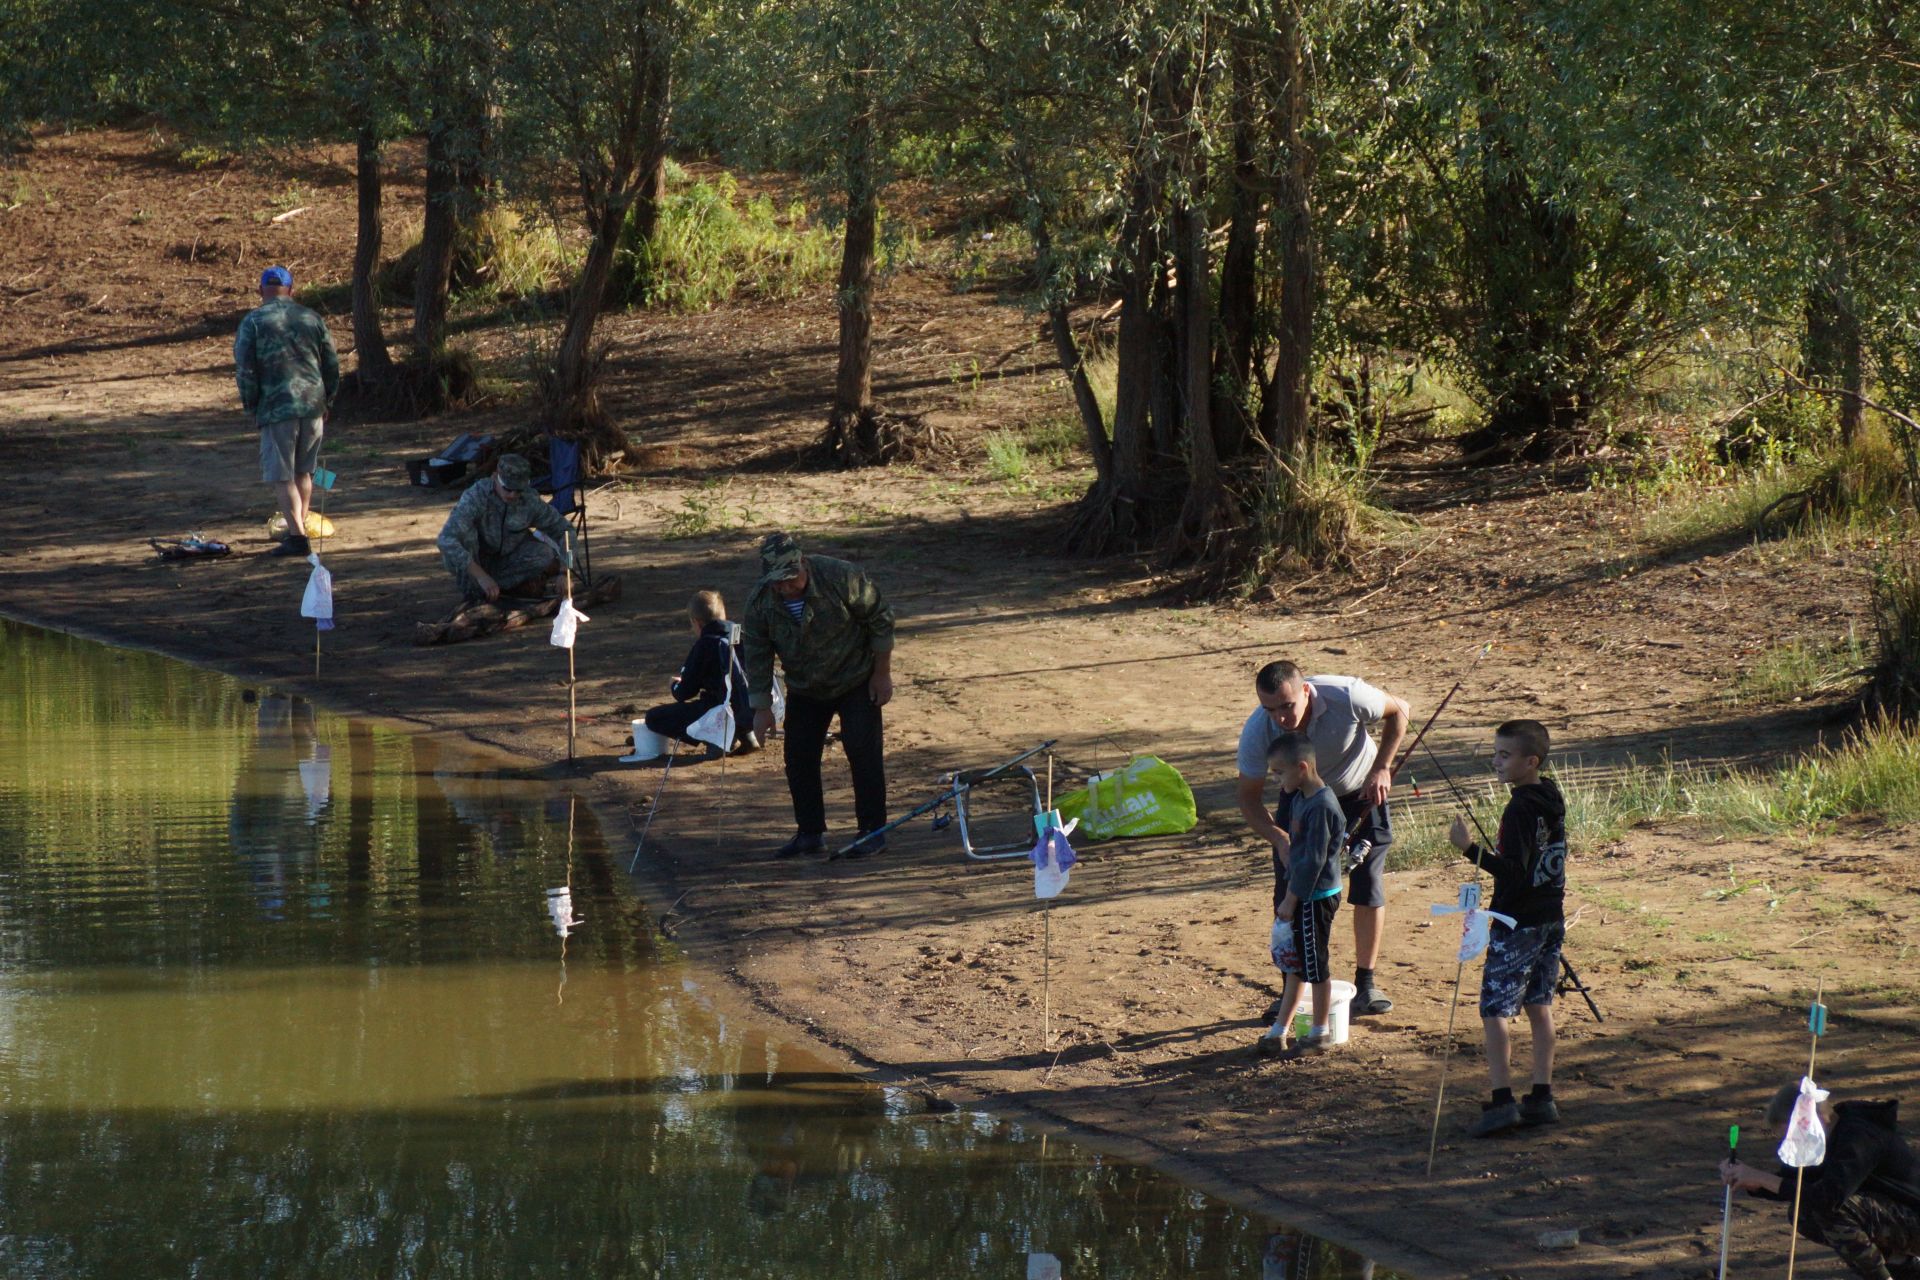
{"x": 1873, "y": 773}
{"x": 711, "y": 246}
{"x": 1844, "y": 490}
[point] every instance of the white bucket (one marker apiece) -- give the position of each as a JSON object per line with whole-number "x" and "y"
{"x": 647, "y": 745}
{"x": 1339, "y": 1009}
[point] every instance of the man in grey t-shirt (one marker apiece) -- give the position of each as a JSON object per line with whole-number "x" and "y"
{"x": 1337, "y": 713}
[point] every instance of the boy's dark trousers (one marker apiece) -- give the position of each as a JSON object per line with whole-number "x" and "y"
{"x": 673, "y": 719}
{"x": 860, "y": 737}
{"x": 1867, "y": 1231}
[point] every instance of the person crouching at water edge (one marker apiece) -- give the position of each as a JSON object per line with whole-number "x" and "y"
{"x": 1529, "y": 871}
{"x": 833, "y": 633}
{"x": 1306, "y": 887}
{"x": 1863, "y": 1200}
{"x": 488, "y": 541}
{"x": 702, "y": 683}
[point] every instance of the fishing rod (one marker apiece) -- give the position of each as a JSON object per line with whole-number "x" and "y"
{"x": 1569, "y": 976}
{"x": 961, "y": 782}
{"x": 1358, "y": 851}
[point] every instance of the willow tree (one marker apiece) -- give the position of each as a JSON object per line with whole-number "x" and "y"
{"x": 597, "y": 86}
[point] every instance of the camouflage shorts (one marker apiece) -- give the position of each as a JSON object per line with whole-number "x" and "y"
{"x": 1523, "y": 967}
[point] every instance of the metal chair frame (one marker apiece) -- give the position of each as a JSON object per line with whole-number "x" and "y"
{"x": 963, "y": 784}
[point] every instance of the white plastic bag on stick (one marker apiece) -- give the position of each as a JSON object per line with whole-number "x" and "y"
{"x": 565, "y": 623}
{"x": 1806, "y": 1142}
{"x": 317, "y": 603}
{"x": 1052, "y": 858}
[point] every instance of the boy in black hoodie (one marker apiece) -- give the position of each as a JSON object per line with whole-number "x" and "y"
{"x": 1529, "y": 871}
{"x": 702, "y": 683}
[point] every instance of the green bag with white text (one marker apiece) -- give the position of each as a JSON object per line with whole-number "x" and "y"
{"x": 1145, "y": 797}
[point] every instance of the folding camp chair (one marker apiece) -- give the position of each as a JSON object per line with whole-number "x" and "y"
{"x": 965, "y": 783}
{"x": 564, "y": 480}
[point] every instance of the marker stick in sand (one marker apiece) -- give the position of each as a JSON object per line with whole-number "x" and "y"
{"x": 1806, "y": 1140}
{"x": 1726, "y": 1210}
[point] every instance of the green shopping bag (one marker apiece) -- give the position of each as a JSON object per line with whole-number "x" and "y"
{"x": 1145, "y": 797}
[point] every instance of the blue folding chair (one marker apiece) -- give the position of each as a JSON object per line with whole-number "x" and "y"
{"x": 564, "y": 481}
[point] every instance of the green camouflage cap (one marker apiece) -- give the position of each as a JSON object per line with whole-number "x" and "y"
{"x": 780, "y": 558}
{"x": 513, "y": 471}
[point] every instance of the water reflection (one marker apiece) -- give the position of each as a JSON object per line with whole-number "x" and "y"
{"x": 278, "y": 997}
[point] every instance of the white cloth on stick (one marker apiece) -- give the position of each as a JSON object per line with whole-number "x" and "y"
{"x": 1806, "y": 1142}
{"x": 317, "y": 603}
{"x": 1477, "y": 924}
{"x": 566, "y": 622}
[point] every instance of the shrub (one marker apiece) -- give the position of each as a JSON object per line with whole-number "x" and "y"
{"x": 709, "y": 246}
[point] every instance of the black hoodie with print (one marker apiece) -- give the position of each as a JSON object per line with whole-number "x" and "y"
{"x": 1529, "y": 867}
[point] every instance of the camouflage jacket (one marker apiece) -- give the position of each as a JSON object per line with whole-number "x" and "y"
{"x": 830, "y": 649}
{"x": 484, "y": 524}
{"x": 284, "y": 361}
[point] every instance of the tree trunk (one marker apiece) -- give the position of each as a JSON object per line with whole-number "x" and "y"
{"x": 1287, "y": 400}
{"x": 1833, "y": 350}
{"x": 1074, "y": 361}
{"x": 1199, "y": 516}
{"x": 1239, "y": 267}
{"x": 369, "y": 338}
{"x": 435, "y": 272}
{"x": 850, "y": 429}
{"x": 572, "y": 393}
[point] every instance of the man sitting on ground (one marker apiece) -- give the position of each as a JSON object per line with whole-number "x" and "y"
{"x": 1863, "y": 1200}
{"x": 488, "y": 542}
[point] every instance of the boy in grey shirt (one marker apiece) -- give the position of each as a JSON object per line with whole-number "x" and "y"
{"x": 1309, "y": 875}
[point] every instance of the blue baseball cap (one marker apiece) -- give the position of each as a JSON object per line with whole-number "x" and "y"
{"x": 276, "y": 276}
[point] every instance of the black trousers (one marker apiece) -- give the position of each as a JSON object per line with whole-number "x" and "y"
{"x": 1866, "y": 1231}
{"x": 860, "y": 737}
{"x": 673, "y": 719}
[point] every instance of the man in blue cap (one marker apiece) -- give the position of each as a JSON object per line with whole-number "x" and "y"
{"x": 288, "y": 371}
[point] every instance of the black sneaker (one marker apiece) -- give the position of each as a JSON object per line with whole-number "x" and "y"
{"x": 293, "y": 546}
{"x": 869, "y": 845}
{"x": 1536, "y": 1110}
{"x": 1314, "y": 1044}
{"x": 1495, "y": 1117}
{"x": 805, "y": 844}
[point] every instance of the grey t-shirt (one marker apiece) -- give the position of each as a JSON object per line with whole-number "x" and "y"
{"x": 1343, "y": 709}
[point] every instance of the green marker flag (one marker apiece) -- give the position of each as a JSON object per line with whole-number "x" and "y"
{"x": 1726, "y": 1211}
{"x": 324, "y": 478}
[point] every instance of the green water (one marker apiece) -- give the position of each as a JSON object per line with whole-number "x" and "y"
{"x": 280, "y": 995}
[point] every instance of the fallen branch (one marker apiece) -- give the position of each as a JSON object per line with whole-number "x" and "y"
{"x": 288, "y": 215}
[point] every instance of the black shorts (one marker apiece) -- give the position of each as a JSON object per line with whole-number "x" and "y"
{"x": 1366, "y": 883}
{"x": 1312, "y": 925}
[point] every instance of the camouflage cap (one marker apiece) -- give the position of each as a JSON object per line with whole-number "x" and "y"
{"x": 513, "y": 471}
{"x": 780, "y": 558}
